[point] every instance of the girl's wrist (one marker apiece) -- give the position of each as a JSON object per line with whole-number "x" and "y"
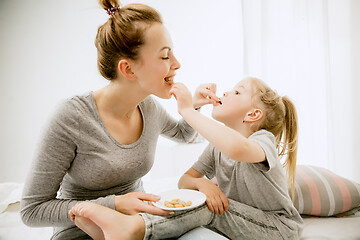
{"x": 198, "y": 182}
{"x": 185, "y": 111}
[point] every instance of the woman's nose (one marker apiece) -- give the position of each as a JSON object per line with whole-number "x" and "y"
{"x": 175, "y": 64}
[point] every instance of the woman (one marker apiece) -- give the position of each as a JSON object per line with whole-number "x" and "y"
{"x": 99, "y": 145}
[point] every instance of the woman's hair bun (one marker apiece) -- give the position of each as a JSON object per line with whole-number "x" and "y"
{"x": 122, "y": 35}
{"x": 107, "y": 4}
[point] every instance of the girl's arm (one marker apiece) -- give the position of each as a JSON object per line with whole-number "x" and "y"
{"x": 180, "y": 131}
{"x": 215, "y": 198}
{"x": 228, "y": 141}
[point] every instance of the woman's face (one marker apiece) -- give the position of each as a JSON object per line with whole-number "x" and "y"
{"x": 156, "y": 66}
{"x": 235, "y": 104}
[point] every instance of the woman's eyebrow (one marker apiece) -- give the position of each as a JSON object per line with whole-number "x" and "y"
{"x": 163, "y": 48}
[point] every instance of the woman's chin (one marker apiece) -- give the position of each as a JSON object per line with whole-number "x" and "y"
{"x": 165, "y": 95}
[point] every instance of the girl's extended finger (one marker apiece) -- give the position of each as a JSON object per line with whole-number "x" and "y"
{"x": 209, "y": 95}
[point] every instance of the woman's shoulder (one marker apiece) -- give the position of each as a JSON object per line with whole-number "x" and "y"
{"x": 77, "y": 104}
{"x": 151, "y": 105}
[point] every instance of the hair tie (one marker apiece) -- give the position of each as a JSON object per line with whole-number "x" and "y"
{"x": 112, "y": 10}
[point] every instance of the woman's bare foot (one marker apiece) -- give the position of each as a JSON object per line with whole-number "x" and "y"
{"x": 88, "y": 226}
{"x": 113, "y": 224}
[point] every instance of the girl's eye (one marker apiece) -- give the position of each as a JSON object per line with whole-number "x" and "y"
{"x": 165, "y": 58}
{"x": 237, "y": 93}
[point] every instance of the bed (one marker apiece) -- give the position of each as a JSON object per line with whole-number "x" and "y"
{"x": 11, "y": 227}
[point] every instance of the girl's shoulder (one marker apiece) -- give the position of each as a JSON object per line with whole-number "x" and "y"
{"x": 267, "y": 142}
{"x": 263, "y": 134}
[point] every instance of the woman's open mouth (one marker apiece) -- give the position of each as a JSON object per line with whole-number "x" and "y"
{"x": 169, "y": 80}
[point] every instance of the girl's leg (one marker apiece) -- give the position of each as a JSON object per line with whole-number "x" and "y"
{"x": 114, "y": 225}
{"x": 245, "y": 222}
{"x": 239, "y": 222}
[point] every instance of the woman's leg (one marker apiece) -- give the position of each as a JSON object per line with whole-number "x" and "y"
{"x": 173, "y": 226}
{"x": 114, "y": 225}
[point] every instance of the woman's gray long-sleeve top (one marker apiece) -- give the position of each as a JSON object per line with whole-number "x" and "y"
{"x": 78, "y": 159}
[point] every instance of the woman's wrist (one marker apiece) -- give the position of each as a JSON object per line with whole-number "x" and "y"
{"x": 117, "y": 200}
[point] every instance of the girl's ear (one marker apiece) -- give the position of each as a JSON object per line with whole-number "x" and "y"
{"x": 254, "y": 116}
{"x": 124, "y": 68}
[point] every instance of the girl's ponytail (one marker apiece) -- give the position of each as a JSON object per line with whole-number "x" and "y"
{"x": 290, "y": 141}
{"x": 281, "y": 120}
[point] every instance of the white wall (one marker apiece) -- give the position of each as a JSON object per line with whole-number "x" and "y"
{"x": 47, "y": 54}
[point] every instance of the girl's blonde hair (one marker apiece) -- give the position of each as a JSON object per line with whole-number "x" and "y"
{"x": 122, "y": 35}
{"x": 279, "y": 118}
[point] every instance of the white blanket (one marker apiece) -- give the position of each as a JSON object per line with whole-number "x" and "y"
{"x": 9, "y": 193}
{"x": 12, "y": 228}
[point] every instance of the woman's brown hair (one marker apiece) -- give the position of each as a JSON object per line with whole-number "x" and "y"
{"x": 122, "y": 35}
{"x": 280, "y": 118}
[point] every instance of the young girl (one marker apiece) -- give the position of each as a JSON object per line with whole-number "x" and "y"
{"x": 251, "y": 200}
{"x": 99, "y": 144}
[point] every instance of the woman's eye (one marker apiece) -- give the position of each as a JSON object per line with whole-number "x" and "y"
{"x": 165, "y": 58}
{"x": 237, "y": 93}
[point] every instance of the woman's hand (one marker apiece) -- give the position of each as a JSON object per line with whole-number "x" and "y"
{"x": 133, "y": 203}
{"x": 205, "y": 94}
{"x": 215, "y": 198}
{"x": 182, "y": 95}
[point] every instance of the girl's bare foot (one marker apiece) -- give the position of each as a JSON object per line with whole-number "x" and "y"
{"x": 113, "y": 224}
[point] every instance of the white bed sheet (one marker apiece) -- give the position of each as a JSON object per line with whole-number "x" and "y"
{"x": 12, "y": 228}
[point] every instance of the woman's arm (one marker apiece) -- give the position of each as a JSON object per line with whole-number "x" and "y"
{"x": 57, "y": 148}
{"x": 215, "y": 198}
{"x": 176, "y": 130}
{"x": 54, "y": 155}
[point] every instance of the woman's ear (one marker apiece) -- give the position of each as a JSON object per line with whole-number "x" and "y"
{"x": 254, "y": 115}
{"x": 125, "y": 69}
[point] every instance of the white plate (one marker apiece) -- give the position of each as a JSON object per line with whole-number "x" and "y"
{"x": 197, "y": 198}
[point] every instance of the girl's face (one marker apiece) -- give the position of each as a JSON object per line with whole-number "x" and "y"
{"x": 155, "y": 69}
{"x": 235, "y": 104}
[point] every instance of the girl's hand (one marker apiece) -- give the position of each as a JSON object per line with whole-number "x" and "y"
{"x": 182, "y": 96}
{"x": 133, "y": 203}
{"x": 215, "y": 198}
{"x": 205, "y": 94}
